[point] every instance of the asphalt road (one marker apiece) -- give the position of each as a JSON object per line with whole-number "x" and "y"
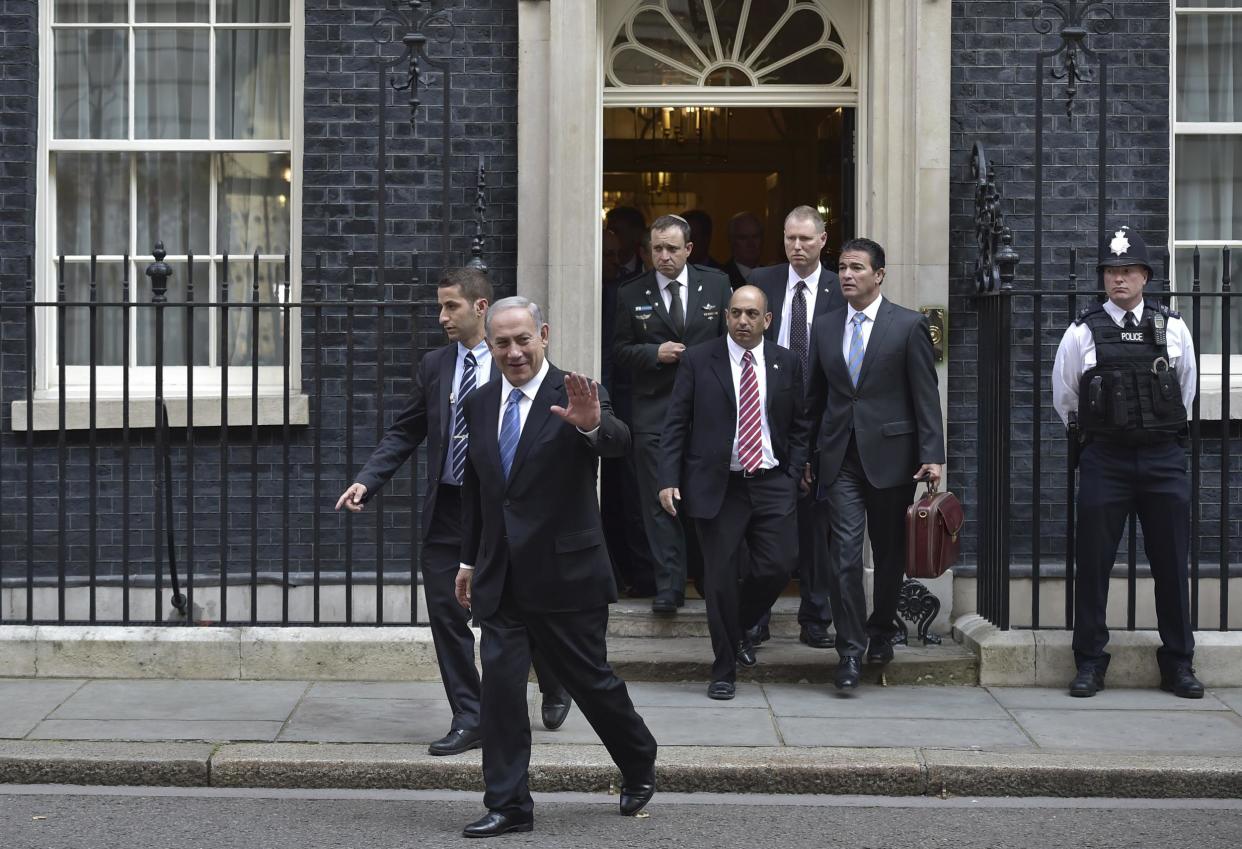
{"x": 147, "y": 818}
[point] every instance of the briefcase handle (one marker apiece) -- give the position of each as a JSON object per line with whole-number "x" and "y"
{"x": 931, "y": 485}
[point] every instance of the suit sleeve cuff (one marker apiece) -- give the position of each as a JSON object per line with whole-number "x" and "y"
{"x": 464, "y": 566}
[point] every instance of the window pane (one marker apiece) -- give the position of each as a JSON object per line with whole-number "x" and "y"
{"x": 1209, "y": 4}
{"x": 252, "y": 11}
{"x": 90, "y": 11}
{"x": 804, "y": 28}
{"x": 762, "y": 17}
{"x": 174, "y": 201}
{"x": 633, "y": 67}
{"x": 241, "y": 341}
{"x": 172, "y": 11}
{"x": 728, "y": 16}
{"x": 92, "y": 203}
{"x": 176, "y": 318}
{"x": 90, "y": 101}
{"x": 692, "y": 17}
{"x": 1209, "y": 188}
{"x": 1209, "y": 68}
{"x": 252, "y": 84}
{"x": 253, "y": 211}
{"x": 170, "y": 87}
{"x": 652, "y": 30}
{"x": 108, "y": 330}
{"x": 823, "y": 66}
{"x": 1211, "y": 270}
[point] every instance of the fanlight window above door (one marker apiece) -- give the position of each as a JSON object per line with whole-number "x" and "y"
{"x": 728, "y": 43}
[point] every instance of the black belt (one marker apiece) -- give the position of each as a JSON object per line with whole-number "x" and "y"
{"x": 755, "y": 475}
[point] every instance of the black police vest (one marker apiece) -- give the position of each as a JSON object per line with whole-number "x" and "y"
{"x": 1131, "y": 396}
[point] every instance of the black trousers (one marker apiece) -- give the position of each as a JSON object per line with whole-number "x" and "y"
{"x": 450, "y": 622}
{"x": 675, "y": 550}
{"x": 763, "y": 512}
{"x": 623, "y": 525}
{"x": 854, "y": 507}
{"x": 573, "y": 645}
{"x": 814, "y": 607}
{"x": 1115, "y": 480}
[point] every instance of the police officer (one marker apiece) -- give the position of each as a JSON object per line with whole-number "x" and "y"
{"x": 1125, "y": 378}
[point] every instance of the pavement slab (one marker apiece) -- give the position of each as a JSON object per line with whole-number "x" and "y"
{"x": 1206, "y": 732}
{"x": 24, "y": 703}
{"x": 1044, "y": 698}
{"x": 872, "y": 731}
{"x": 907, "y": 701}
{"x": 182, "y": 700}
{"x": 154, "y": 729}
{"x": 367, "y": 720}
{"x": 680, "y": 726}
{"x": 1231, "y": 697}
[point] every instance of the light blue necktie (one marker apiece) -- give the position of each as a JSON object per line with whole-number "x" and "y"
{"x": 460, "y": 439}
{"x": 510, "y": 431}
{"x": 856, "y": 348}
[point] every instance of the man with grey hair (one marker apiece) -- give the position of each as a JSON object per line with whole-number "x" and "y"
{"x": 659, "y": 315}
{"x": 746, "y": 246}
{"x": 534, "y": 569}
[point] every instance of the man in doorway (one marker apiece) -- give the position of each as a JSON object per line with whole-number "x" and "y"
{"x": 746, "y": 247}
{"x": 628, "y": 223}
{"x": 659, "y": 315}
{"x": 445, "y": 377}
{"x": 701, "y": 237}
{"x": 735, "y": 446}
{"x": 534, "y": 569}
{"x": 800, "y": 291}
{"x": 875, "y": 407}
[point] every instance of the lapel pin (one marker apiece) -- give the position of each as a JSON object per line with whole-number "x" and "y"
{"x": 700, "y": 287}
{"x": 776, "y": 365}
{"x": 648, "y": 293}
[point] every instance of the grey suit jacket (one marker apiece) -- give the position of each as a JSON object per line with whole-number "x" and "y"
{"x": 893, "y": 413}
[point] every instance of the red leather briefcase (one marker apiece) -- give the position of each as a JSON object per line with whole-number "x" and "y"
{"x": 933, "y": 525}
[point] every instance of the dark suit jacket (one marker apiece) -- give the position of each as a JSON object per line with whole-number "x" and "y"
{"x": 643, "y": 324}
{"x": 736, "y": 278}
{"x": 540, "y": 530}
{"x": 894, "y": 412}
{"x": 702, "y": 421}
{"x": 774, "y": 279}
{"x": 427, "y": 415}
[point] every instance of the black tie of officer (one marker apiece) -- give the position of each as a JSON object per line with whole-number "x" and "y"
{"x": 1130, "y": 322}
{"x": 675, "y": 310}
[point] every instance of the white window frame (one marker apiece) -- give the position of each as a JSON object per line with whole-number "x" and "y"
{"x": 1210, "y": 366}
{"x": 207, "y": 379}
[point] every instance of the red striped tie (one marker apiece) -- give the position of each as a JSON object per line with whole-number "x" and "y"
{"x": 749, "y": 432}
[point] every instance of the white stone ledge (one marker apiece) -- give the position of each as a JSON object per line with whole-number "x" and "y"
{"x": 108, "y": 412}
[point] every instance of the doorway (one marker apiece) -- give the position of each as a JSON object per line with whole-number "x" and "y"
{"x": 727, "y": 160}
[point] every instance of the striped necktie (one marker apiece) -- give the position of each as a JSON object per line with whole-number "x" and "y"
{"x": 856, "y": 348}
{"x": 749, "y": 430}
{"x": 461, "y": 437}
{"x": 510, "y": 430}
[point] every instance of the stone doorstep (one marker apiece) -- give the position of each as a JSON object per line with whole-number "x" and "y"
{"x": 404, "y": 654}
{"x": 681, "y": 769}
{"x": 1045, "y": 658}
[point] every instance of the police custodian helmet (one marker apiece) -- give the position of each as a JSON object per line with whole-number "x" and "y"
{"x": 1124, "y": 247}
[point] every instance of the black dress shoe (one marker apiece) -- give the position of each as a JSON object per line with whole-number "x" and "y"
{"x": 816, "y": 636}
{"x": 554, "y": 711}
{"x": 636, "y": 793}
{"x": 495, "y": 822}
{"x": 745, "y": 653}
{"x": 758, "y": 635}
{"x": 721, "y": 691}
{"x": 879, "y": 651}
{"x": 664, "y": 602}
{"x": 457, "y": 741}
{"x": 1181, "y": 682}
{"x": 1088, "y": 681}
{"x": 848, "y": 671}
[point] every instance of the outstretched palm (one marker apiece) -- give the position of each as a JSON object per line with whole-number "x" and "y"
{"x": 582, "y": 410}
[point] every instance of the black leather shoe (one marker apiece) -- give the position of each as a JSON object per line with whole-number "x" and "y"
{"x": 745, "y": 654}
{"x": 664, "y": 602}
{"x": 1181, "y": 682}
{"x": 1088, "y": 681}
{"x": 758, "y": 635}
{"x": 494, "y": 823}
{"x": 816, "y": 636}
{"x": 721, "y": 691}
{"x": 848, "y": 671}
{"x": 554, "y": 710}
{"x": 879, "y": 651}
{"x": 636, "y": 793}
{"x": 456, "y": 741}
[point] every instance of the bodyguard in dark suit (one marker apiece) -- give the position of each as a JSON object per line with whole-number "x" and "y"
{"x": 534, "y": 568}
{"x": 800, "y": 291}
{"x": 873, "y": 398}
{"x": 745, "y": 247}
{"x": 658, "y": 315}
{"x": 444, "y": 377}
{"x": 735, "y": 445}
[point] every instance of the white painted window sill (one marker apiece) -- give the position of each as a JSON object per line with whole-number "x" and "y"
{"x": 108, "y": 412}
{"x": 1210, "y": 397}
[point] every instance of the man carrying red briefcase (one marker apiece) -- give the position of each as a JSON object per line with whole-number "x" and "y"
{"x": 933, "y": 528}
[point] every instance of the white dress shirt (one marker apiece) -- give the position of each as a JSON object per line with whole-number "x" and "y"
{"x": 529, "y": 389}
{"x": 871, "y": 312}
{"x": 683, "y": 288}
{"x": 482, "y": 373}
{"x": 761, "y": 376}
{"x": 791, "y": 289}
{"x": 1076, "y": 356}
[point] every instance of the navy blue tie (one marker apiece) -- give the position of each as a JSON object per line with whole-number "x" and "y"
{"x": 461, "y": 438}
{"x": 510, "y": 431}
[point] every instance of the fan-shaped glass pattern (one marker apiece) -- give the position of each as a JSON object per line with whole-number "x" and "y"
{"x": 727, "y": 43}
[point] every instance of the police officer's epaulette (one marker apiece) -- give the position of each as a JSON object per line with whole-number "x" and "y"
{"x": 1162, "y": 309}
{"x": 1086, "y": 311}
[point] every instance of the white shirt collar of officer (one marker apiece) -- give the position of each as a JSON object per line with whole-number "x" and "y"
{"x": 1118, "y": 314}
